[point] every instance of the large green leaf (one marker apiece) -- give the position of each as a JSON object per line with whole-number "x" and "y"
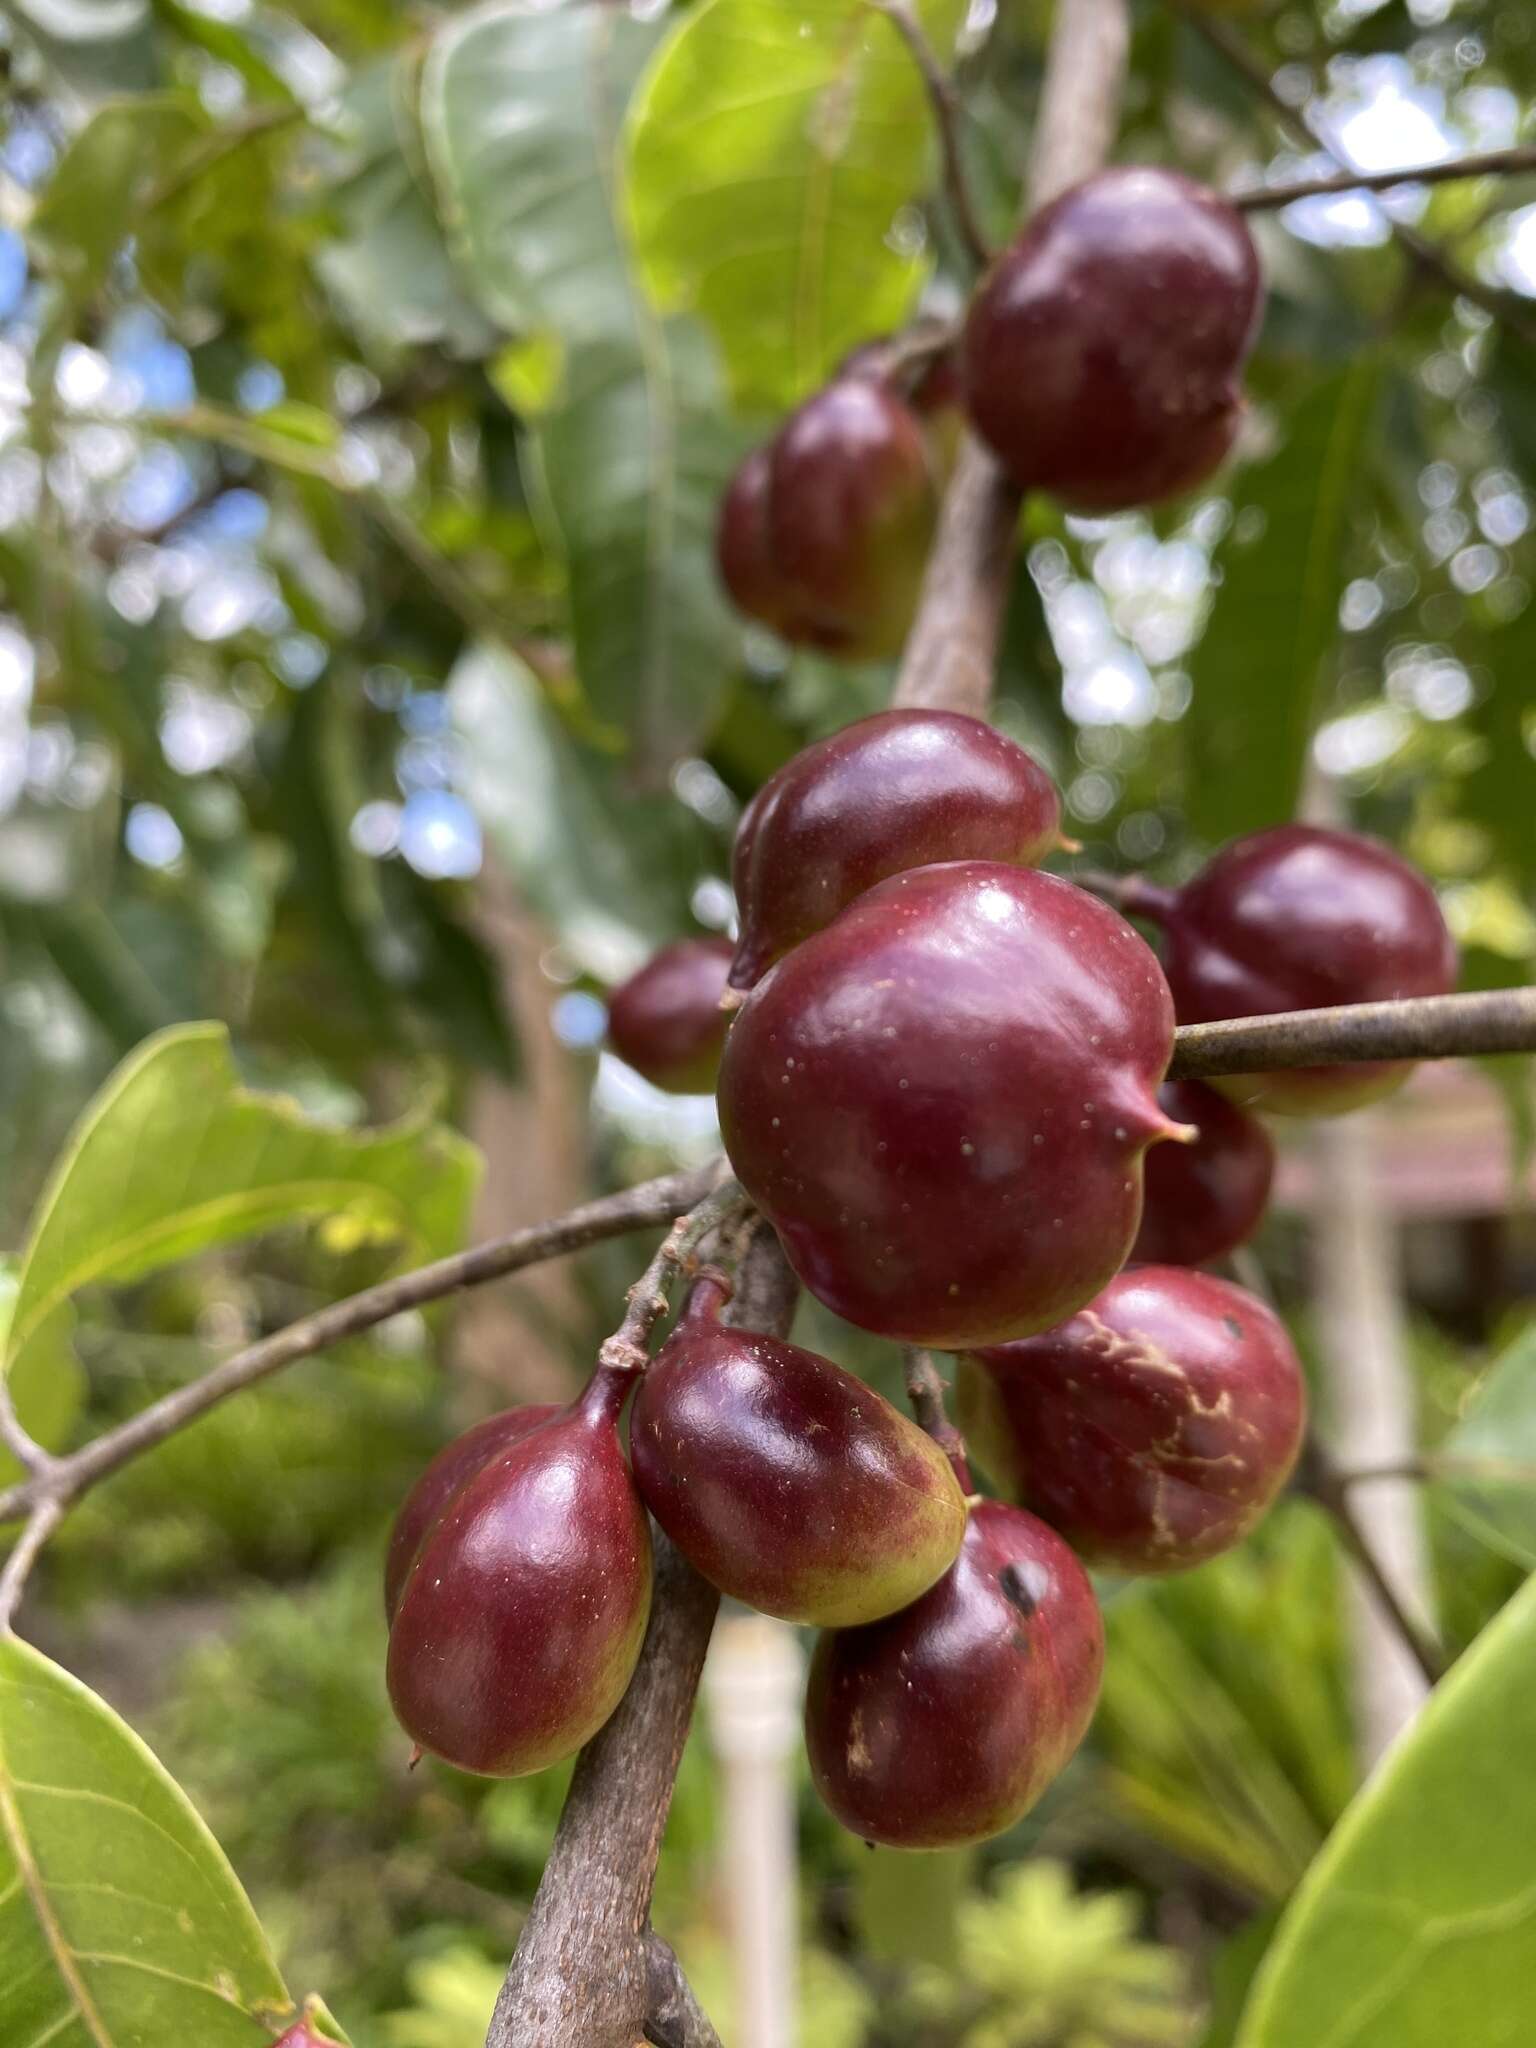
{"x": 1416, "y": 1926}
{"x": 776, "y": 155}
{"x": 1258, "y": 667}
{"x": 521, "y": 113}
{"x": 1488, "y": 1462}
{"x": 121, "y": 1923}
{"x": 609, "y": 871}
{"x": 174, "y": 1156}
{"x": 99, "y": 189}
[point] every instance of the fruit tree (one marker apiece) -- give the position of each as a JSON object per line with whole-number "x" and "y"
{"x": 941, "y": 467}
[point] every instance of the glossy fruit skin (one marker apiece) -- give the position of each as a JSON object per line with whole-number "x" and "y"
{"x": 666, "y": 1021}
{"x": 303, "y": 2035}
{"x": 943, "y": 1724}
{"x": 787, "y": 1482}
{"x": 1153, "y": 1429}
{"x": 942, "y": 1101}
{"x": 902, "y": 789}
{"x": 1300, "y": 917}
{"x": 823, "y": 534}
{"x": 520, "y": 1622}
{"x": 453, "y": 1467}
{"x": 1103, "y": 352}
{"x": 1204, "y": 1200}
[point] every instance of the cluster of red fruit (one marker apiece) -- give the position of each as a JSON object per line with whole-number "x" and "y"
{"x": 940, "y": 1082}
{"x": 1100, "y": 360}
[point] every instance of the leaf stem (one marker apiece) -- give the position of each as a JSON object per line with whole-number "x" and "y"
{"x": 948, "y": 116}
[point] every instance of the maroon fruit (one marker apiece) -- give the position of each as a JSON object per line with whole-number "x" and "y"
{"x": 1302, "y": 918}
{"x": 453, "y": 1467}
{"x": 788, "y": 1483}
{"x": 942, "y": 1101}
{"x": 823, "y": 534}
{"x": 666, "y": 1021}
{"x": 303, "y": 2036}
{"x": 900, "y": 790}
{"x": 1204, "y": 1200}
{"x": 944, "y": 1724}
{"x": 519, "y": 1623}
{"x": 1103, "y": 352}
{"x": 1153, "y": 1429}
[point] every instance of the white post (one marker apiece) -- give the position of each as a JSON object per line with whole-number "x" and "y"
{"x": 752, "y": 1688}
{"x": 1369, "y": 1415}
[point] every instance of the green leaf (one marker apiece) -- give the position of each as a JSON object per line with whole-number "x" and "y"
{"x": 174, "y": 1156}
{"x": 49, "y": 1384}
{"x": 104, "y": 179}
{"x": 390, "y": 270}
{"x": 1494, "y": 1446}
{"x": 611, "y": 872}
{"x": 521, "y": 117}
{"x": 121, "y": 1923}
{"x": 1257, "y": 670}
{"x": 1416, "y": 1926}
{"x": 776, "y": 155}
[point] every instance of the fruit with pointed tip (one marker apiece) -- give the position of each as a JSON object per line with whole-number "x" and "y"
{"x": 520, "y": 1620}
{"x": 1103, "y": 352}
{"x": 666, "y": 1021}
{"x": 943, "y": 1724}
{"x": 1153, "y": 1429}
{"x": 824, "y": 532}
{"x": 787, "y": 1482}
{"x": 942, "y": 1101}
{"x": 1301, "y": 917}
{"x": 901, "y": 789}
{"x": 1205, "y": 1199}
{"x": 451, "y": 1470}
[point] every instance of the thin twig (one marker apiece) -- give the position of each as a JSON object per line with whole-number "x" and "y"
{"x": 1488, "y": 163}
{"x": 646, "y": 1303}
{"x": 41, "y": 1523}
{"x": 21, "y": 1444}
{"x": 948, "y": 117}
{"x": 1234, "y": 51}
{"x": 1414, "y": 1028}
{"x": 1320, "y": 1481}
{"x": 655, "y": 1201}
{"x": 1443, "y": 1465}
{"x": 926, "y": 1388}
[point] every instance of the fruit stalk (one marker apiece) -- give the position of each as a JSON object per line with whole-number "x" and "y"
{"x": 951, "y": 653}
{"x": 586, "y": 1973}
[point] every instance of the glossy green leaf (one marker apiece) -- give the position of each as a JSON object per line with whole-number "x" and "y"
{"x": 1416, "y": 1926}
{"x": 521, "y": 114}
{"x": 1258, "y": 669}
{"x": 121, "y": 1923}
{"x": 174, "y": 1156}
{"x": 776, "y": 155}
{"x": 1488, "y": 1462}
{"x": 610, "y": 871}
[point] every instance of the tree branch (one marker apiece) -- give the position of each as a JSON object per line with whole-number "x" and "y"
{"x": 677, "y": 2020}
{"x": 1488, "y": 163}
{"x": 947, "y": 117}
{"x": 951, "y": 654}
{"x": 1416, "y": 1028}
{"x": 1317, "y": 1478}
{"x": 585, "y": 1975}
{"x": 638, "y": 1208}
{"x": 1231, "y": 47}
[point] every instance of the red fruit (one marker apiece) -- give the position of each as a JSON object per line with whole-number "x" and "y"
{"x": 519, "y": 1623}
{"x": 788, "y": 1483}
{"x": 944, "y": 1724}
{"x": 1204, "y": 1200}
{"x": 453, "y": 1467}
{"x": 1302, "y": 918}
{"x": 900, "y": 790}
{"x": 1153, "y": 1429}
{"x": 1103, "y": 351}
{"x": 666, "y": 1021}
{"x": 303, "y": 2036}
{"x": 824, "y": 534}
{"x": 942, "y": 1101}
